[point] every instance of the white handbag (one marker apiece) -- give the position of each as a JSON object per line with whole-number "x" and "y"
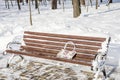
{"x": 67, "y": 54}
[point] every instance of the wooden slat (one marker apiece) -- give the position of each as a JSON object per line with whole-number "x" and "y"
{"x": 56, "y": 51}
{"x": 83, "y": 57}
{"x": 62, "y": 40}
{"x": 60, "y": 44}
{"x": 91, "y": 57}
{"x": 29, "y": 48}
{"x": 47, "y": 57}
{"x": 66, "y": 36}
{"x": 52, "y": 52}
{"x": 80, "y": 50}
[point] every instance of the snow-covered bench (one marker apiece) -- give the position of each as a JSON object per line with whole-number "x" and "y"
{"x": 90, "y": 51}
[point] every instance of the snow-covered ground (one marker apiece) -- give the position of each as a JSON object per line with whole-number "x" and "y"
{"x": 103, "y": 21}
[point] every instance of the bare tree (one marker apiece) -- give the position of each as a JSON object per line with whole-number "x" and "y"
{"x": 76, "y": 8}
{"x": 83, "y": 2}
{"x": 111, "y": 1}
{"x": 36, "y": 4}
{"x": 11, "y": 2}
{"x": 91, "y": 2}
{"x": 38, "y": 7}
{"x": 30, "y": 13}
{"x": 60, "y": 2}
{"x": 63, "y": 5}
{"x": 27, "y": 1}
{"x": 18, "y": 2}
{"x": 54, "y": 4}
{"x": 7, "y": 4}
{"x": 96, "y": 4}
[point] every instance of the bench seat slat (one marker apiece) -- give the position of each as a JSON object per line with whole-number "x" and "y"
{"x": 47, "y": 57}
{"x": 63, "y": 40}
{"x": 56, "y": 51}
{"x": 90, "y": 57}
{"x": 83, "y": 57}
{"x": 79, "y": 50}
{"x": 66, "y": 36}
{"x": 58, "y": 44}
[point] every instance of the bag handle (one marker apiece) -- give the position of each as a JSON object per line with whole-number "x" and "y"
{"x": 69, "y": 42}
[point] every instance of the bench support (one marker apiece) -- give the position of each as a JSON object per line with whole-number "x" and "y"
{"x": 11, "y": 57}
{"x": 98, "y": 65}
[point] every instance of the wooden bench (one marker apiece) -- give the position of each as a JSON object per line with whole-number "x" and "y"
{"x": 47, "y": 45}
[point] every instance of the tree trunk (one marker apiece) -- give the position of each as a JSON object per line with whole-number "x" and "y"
{"x": 76, "y": 8}
{"x": 54, "y": 4}
{"x": 5, "y": 3}
{"x": 96, "y": 4}
{"x": 110, "y": 1}
{"x": 36, "y": 4}
{"x": 21, "y": 0}
{"x": 30, "y": 13}
{"x": 27, "y": 1}
{"x": 38, "y": 7}
{"x": 91, "y": 2}
{"x": 18, "y": 2}
{"x": 83, "y": 2}
{"x": 11, "y": 2}
{"x": 59, "y": 2}
{"x": 63, "y": 5}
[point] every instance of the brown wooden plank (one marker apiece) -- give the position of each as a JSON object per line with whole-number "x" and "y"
{"x": 30, "y": 48}
{"x": 56, "y": 51}
{"x": 61, "y": 47}
{"x": 51, "y": 52}
{"x": 60, "y": 44}
{"x": 91, "y": 57}
{"x": 66, "y": 36}
{"x": 47, "y": 57}
{"x": 62, "y": 40}
{"x": 78, "y": 57}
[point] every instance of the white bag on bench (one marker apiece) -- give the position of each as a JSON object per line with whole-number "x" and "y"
{"x": 67, "y": 54}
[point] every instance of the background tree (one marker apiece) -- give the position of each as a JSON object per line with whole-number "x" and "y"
{"x": 59, "y": 2}
{"x": 96, "y": 4}
{"x": 91, "y": 2}
{"x": 76, "y": 8}
{"x": 11, "y": 2}
{"x": 7, "y": 4}
{"x": 27, "y": 1}
{"x": 54, "y": 4}
{"x": 18, "y": 2}
{"x": 63, "y": 5}
{"x": 30, "y": 12}
{"x": 110, "y": 1}
{"x": 82, "y": 2}
{"x": 36, "y": 4}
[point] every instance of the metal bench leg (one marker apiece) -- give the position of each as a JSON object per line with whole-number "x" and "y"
{"x": 96, "y": 75}
{"x": 104, "y": 73}
{"x": 10, "y": 59}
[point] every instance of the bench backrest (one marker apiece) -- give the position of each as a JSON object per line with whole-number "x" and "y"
{"x": 50, "y": 44}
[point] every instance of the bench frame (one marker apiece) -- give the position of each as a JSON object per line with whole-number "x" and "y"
{"x": 97, "y": 61}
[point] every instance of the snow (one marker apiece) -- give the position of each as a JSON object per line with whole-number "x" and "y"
{"x": 104, "y": 22}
